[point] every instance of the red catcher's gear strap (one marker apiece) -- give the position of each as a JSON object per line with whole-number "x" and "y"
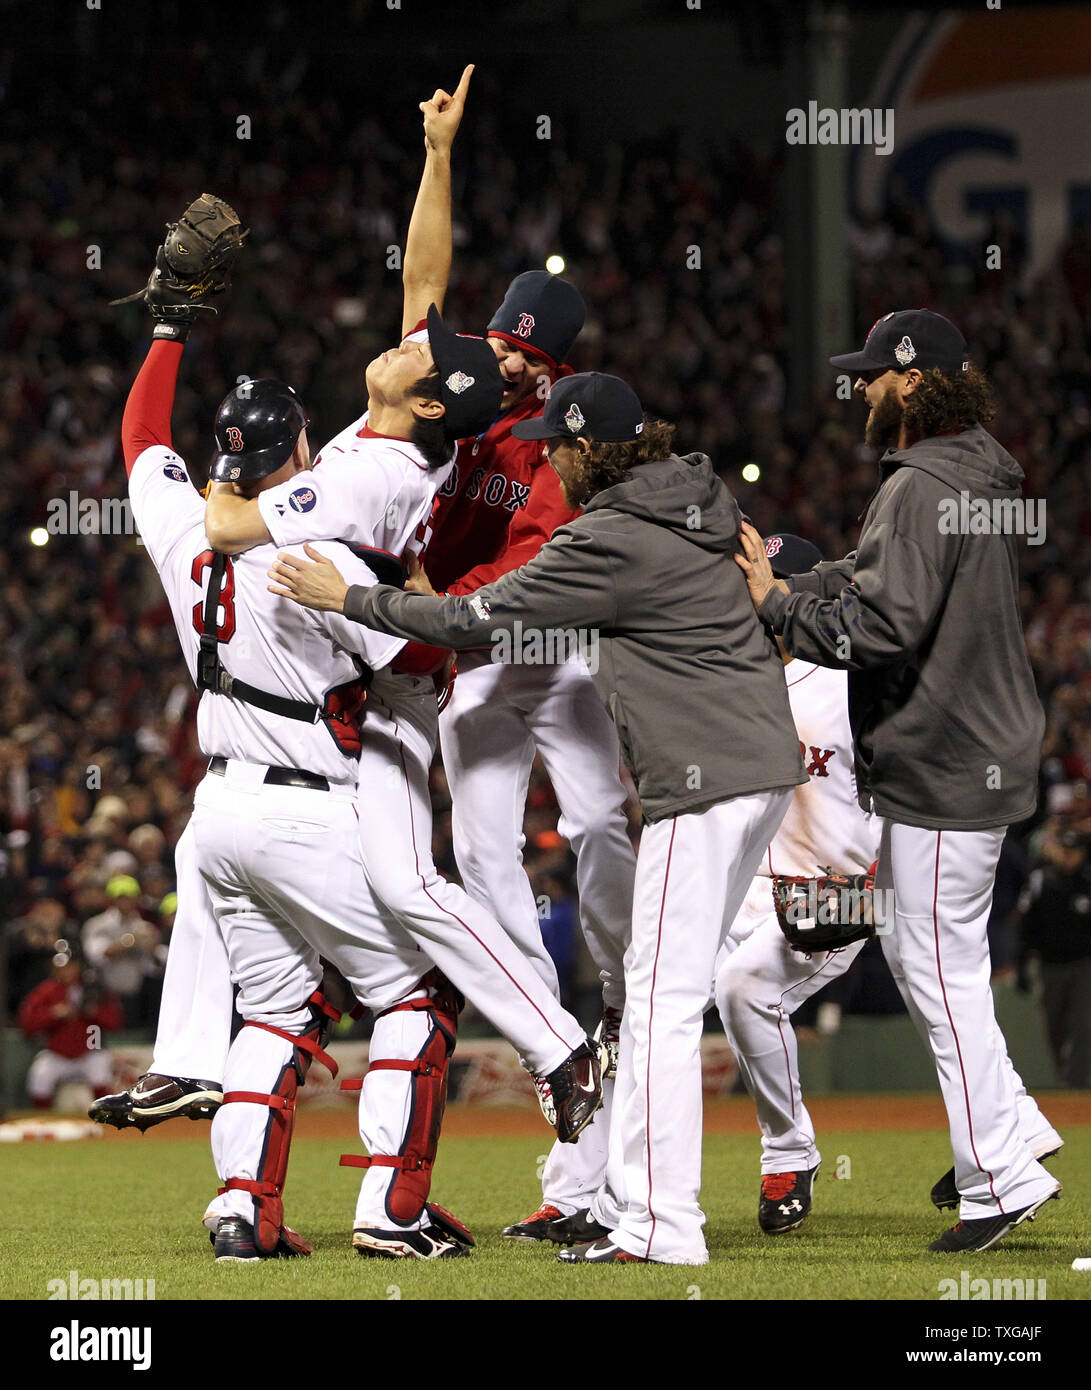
{"x": 259, "y": 1098}
{"x": 256, "y": 1189}
{"x": 267, "y": 1189}
{"x": 407, "y": 1195}
{"x": 407, "y": 1165}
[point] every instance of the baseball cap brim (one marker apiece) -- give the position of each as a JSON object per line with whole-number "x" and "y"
{"x": 858, "y": 362}
{"x": 535, "y": 428}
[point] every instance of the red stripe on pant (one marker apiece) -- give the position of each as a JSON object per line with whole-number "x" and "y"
{"x": 954, "y": 1030}
{"x": 651, "y": 1017}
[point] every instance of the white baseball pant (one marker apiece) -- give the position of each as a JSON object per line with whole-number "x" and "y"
{"x": 193, "y": 1031}
{"x": 760, "y": 982}
{"x": 49, "y": 1070}
{"x": 459, "y": 935}
{"x": 938, "y": 952}
{"x": 285, "y": 881}
{"x": 692, "y": 874}
{"x": 498, "y": 717}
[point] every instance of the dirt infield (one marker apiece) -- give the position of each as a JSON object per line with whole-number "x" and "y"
{"x": 731, "y": 1115}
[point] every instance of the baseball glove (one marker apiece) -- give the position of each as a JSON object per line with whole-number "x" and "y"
{"x": 825, "y": 913}
{"x": 193, "y": 264}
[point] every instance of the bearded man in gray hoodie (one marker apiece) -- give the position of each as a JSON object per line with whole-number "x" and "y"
{"x": 696, "y": 688}
{"x": 947, "y": 728}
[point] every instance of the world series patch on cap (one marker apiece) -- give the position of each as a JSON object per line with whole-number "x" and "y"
{"x": 471, "y": 385}
{"x": 590, "y": 403}
{"x": 909, "y": 338}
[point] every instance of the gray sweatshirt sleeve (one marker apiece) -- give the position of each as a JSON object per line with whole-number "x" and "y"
{"x": 568, "y": 584}
{"x": 827, "y": 579}
{"x": 901, "y": 576}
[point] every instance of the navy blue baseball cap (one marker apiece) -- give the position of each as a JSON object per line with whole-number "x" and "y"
{"x": 540, "y": 312}
{"x": 909, "y": 338}
{"x": 591, "y": 404}
{"x": 471, "y": 385}
{"x": 788, "y": 554}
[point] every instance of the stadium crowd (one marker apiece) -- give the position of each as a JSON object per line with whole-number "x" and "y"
{"x": 97, "y": 750}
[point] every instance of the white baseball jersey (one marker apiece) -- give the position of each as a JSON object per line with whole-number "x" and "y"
{"x": 269, "y": 642}
{"x": 365, "y": 488}
{"x": 824, "y": 826}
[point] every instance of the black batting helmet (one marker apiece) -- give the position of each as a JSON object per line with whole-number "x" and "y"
{"x": 256, "y": 429}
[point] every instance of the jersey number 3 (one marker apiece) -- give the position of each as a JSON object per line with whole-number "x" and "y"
{"x": 226, "y": 629}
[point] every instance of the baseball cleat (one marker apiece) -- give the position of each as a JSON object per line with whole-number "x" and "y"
{"x": 600, "y": 1252}
{"x": 576, "y": 1091}
{"x": 534, "y": 1227}
{"x": 581, "y": 1228}
{"x": 785, "y": 1201}
{"x": 430, "y": 1244}
{"x": 608, "y": 1039}
{"x": 233, "y": 1243}
{"x": 545, "y": 1099}
{"x": 157, "y": 1098}
{"x": 989, "y": 1230}
{"x": 945, "y": 1194}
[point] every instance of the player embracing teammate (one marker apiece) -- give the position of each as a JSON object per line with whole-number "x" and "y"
{"x": 311, "y": 834}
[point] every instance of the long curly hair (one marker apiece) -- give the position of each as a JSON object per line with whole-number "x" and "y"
{"x": 942, "y": 403}
{"x": 608, "y": 464}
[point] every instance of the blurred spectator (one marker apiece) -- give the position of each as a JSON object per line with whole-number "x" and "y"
{"x": 98, "y": 752}
{"x": 1057, "y": 929}
{"x": 123, "y": 948}
{"x": 73, "y": 1013}
{"x": 32, "y": 942}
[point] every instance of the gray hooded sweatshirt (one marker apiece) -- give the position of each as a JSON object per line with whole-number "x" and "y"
{"x": 946, "y": 724}
{"x": 690, "y": 677}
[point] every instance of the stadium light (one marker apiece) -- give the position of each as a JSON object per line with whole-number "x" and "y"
{"x": 39, "y": 536}
{"x": 555, "y": 264}
{"x": 751, "y": 473}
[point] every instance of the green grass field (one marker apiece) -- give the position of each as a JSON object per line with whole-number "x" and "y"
{"x": 130, "y": 1208}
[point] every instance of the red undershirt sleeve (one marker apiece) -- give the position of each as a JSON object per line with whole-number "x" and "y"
{"x": 146, "y": 421}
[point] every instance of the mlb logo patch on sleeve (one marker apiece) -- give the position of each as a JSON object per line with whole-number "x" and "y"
{"x": 303, "y": 499}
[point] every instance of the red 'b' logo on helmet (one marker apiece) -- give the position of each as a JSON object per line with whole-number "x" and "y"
{"x": 525, "y": 324}
{"x": 773, "y": 546}
{"x": 234, "y": 438}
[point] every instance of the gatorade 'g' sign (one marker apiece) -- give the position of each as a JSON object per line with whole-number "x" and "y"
{"x": 991, "y": 117}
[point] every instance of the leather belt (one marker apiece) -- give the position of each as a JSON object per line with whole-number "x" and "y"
{"x": 280, "y": 776}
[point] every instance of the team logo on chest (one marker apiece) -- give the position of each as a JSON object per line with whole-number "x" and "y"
{"x": 524, "y": 326}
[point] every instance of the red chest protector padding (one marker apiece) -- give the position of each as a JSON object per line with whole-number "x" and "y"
{"x": 412, "y": 1183}
{"x": 268, "y": 1189}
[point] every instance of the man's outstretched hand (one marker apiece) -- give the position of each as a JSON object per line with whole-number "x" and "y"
{"x": 754, "y": 563}
{"x": 443, "y": 114}
{"x": 318, "y": 585}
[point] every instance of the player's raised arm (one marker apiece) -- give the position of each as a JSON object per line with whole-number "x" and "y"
{"x": 426, "y": 267}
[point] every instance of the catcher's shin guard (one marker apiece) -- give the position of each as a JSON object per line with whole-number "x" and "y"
{"x": 407, "y": 1195}
{"x": 268, "y": 1188}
